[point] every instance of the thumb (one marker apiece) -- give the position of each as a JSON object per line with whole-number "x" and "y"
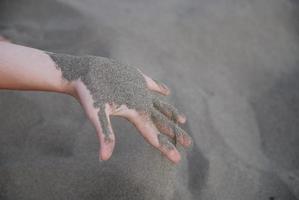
{"x": 105, "y": 133}
{"x": 100, "y": 119}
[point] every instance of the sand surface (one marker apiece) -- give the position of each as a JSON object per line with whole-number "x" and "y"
{"x": 233, "y": 67}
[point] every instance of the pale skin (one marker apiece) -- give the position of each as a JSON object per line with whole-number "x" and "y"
{"x": 25, "y": 68}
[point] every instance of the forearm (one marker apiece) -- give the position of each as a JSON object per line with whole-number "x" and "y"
{"x": 24, "y": 68}
{"x": 103, "y": 87}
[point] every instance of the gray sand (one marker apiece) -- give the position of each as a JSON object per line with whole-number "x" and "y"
{"x": 109, "y": 81}
{"x": 232, "y": 67}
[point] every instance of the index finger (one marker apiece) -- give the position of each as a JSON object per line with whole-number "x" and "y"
{"x": 155, "y": 85}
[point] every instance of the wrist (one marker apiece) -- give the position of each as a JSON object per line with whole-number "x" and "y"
{"x": 71, "y": 69}
{"x": 67, "y": 87}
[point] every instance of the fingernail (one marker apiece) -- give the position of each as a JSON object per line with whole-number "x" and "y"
{"x": 183, "y": 118}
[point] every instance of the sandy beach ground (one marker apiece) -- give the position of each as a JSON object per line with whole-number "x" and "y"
{"x": 233, "y": 67}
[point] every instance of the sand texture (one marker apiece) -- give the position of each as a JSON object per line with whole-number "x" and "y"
{"x": 232, "y": 67}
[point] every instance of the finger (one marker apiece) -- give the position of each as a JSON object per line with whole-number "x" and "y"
{"x": 105, "y": 133}
{"x": 159, "y": 141}
{"x": 100, "y": 119}
{"x": 170, "y": 111}
{"x": 156, "y": 85}
{"x": 171, "y": 129}
{"x": 151, "y": 134}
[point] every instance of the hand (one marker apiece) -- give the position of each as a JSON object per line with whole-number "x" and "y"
{"x": 106, "y": 87}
